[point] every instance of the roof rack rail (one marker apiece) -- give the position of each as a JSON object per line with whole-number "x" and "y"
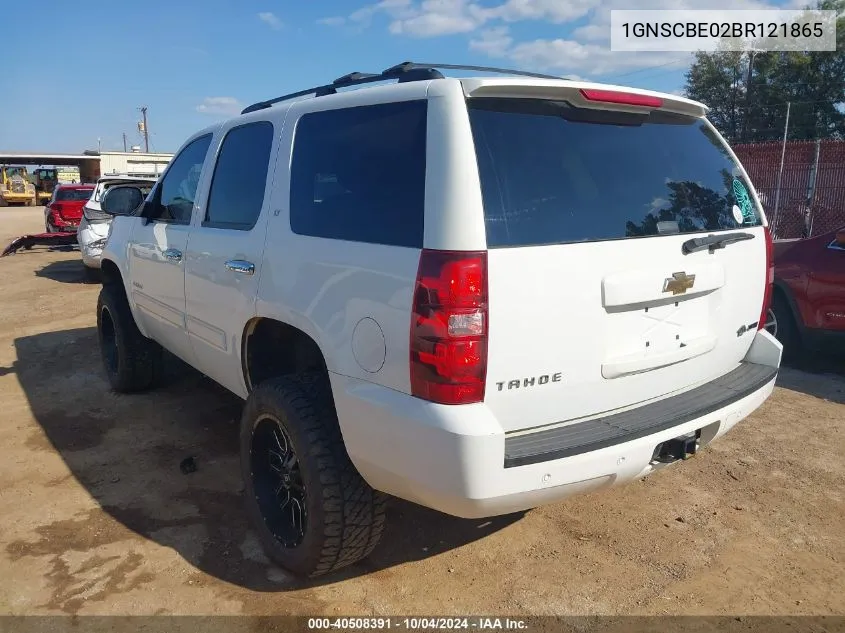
{"x": 407, "y": 66}
{"x": 406, "y": 71}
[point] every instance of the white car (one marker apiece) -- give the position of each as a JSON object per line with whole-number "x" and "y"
{"x": 94, "y": 226}
{"x": 479, "y": 294}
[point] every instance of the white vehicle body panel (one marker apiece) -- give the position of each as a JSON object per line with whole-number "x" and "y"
{"x": 592, "y": 317}
{"x": 451, "y": 458}
{"x": 608, "y": 351}
{"x": 220, "y": 301}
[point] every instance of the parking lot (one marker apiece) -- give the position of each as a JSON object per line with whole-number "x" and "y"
{"x": 97, "y": 518}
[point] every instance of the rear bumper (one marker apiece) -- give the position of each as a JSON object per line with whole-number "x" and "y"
{"x": 62, "y": 223}
{"x": 459, "y": 460}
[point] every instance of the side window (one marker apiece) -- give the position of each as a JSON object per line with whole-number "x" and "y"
{"x": 358, "y": 174}
{"x": 179, "y": 186}
{"x": 240, "y": 177}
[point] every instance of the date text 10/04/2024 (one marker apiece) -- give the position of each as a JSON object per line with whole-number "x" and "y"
{"x": 417, "y": 623}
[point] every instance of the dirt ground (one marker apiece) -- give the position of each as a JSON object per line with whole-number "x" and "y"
{"x": 96, "y": 517}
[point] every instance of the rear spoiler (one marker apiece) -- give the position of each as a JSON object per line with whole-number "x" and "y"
{"x": 584, "y": 94}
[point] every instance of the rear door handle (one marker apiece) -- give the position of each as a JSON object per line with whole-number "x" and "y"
{"x": 171, "y": 254}
{"x": 240, "y": 266}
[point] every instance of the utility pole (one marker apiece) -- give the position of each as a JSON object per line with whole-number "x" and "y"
{"x": 780, "y": 172}
{"x": 124, "y": 142}
{"x": 747, "y": 96}
{"x": 144, "y": 129}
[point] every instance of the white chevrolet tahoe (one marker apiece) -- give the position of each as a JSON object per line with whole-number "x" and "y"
{"x": 478, "y": 294}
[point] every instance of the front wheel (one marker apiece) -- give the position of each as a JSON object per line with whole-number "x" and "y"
{"x": 312, "y": 510}
{"x": 131, "y": 360}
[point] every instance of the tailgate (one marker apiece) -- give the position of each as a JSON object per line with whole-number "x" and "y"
{"x": 602, "y": 293}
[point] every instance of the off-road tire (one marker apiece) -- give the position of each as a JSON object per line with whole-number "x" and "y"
{"x": 787, "y": 330}
{"x": 93, "y": 275}
{"x": 344, "y": 515}
{"x": 131, "y": 360}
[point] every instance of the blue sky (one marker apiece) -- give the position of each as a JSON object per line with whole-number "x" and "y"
{"x": 192, "y": 63}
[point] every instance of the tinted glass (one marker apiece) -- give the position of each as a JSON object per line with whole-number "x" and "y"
{"x": 70, "y": 195}
{"x": 551, "y": 173}
{"x": 179, "y": 186}
{"x": 358, "y": 174}
{"x": 237, "y": 190}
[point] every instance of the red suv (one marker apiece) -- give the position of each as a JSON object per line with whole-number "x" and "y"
{"x": 808, "y": 306}
{"x": 64, "y": 211}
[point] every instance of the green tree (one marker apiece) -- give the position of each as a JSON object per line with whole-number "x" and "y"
{"x": 748, "y": 92}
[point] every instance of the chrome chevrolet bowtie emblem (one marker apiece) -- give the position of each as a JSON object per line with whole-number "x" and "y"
{"x": 678, "y": 283}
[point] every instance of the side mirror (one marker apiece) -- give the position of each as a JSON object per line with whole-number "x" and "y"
{"x": 122, "y": 200}
{"x": 840, "y": 238}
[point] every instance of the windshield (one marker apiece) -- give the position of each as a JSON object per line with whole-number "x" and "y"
{"x": 552, "y": 174}
{"x": 73, "y": 195}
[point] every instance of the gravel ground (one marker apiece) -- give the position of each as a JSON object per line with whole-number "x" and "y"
{"x": 96, "y": 517}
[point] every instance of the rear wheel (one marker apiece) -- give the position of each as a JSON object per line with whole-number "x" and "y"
{"x": 780, "y": 323}
{"x": 312, "y": 510}
{"x": 131, "y": 360}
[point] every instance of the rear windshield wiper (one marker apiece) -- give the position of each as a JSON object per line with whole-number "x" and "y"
{"x": 713, "y": 242}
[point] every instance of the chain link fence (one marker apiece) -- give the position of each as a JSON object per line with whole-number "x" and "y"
{"x": 812, "y": 187}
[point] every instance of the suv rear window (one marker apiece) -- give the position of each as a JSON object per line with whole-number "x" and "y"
{"x": 73, "y": 195}
{"x": 552, "y": 174}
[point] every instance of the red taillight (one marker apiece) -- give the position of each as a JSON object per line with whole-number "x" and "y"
{"x": 623, "y": 98}
{"x": 770, "y": 278}
{"x": 449, "y": 327}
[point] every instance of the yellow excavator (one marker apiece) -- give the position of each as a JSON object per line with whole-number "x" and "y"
{"x": 15, "y": 187}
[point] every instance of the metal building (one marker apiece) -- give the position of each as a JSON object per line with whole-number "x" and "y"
{"x": 135, "y": 163}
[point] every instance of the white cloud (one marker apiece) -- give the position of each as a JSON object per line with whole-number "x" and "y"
{"x": 228, "y": 106}
{"x": 270, "y": 20}
{"x": 556, "y": 11}
{"x": 591, "y": 59}
{"x": 592, "y": 32}
{"x": 437, "y": 17}
{"x": 431, "y": 18}
{"x": 658, "y": 203}
{"x": 494, "y": 42}
{"x": 583, "y": 51}
{"x": 336, "y": 20}
{"x": 394, "y": 8}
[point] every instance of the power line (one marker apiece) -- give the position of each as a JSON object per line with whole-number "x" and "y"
{"x": 784, "y": 103}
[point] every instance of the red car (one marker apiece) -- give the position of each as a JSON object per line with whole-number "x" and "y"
{"x": 808, "y": 305}
{"x": 64, "y": 211}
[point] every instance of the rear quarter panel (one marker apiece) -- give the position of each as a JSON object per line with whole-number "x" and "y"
{"x": 352, "y": 298}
